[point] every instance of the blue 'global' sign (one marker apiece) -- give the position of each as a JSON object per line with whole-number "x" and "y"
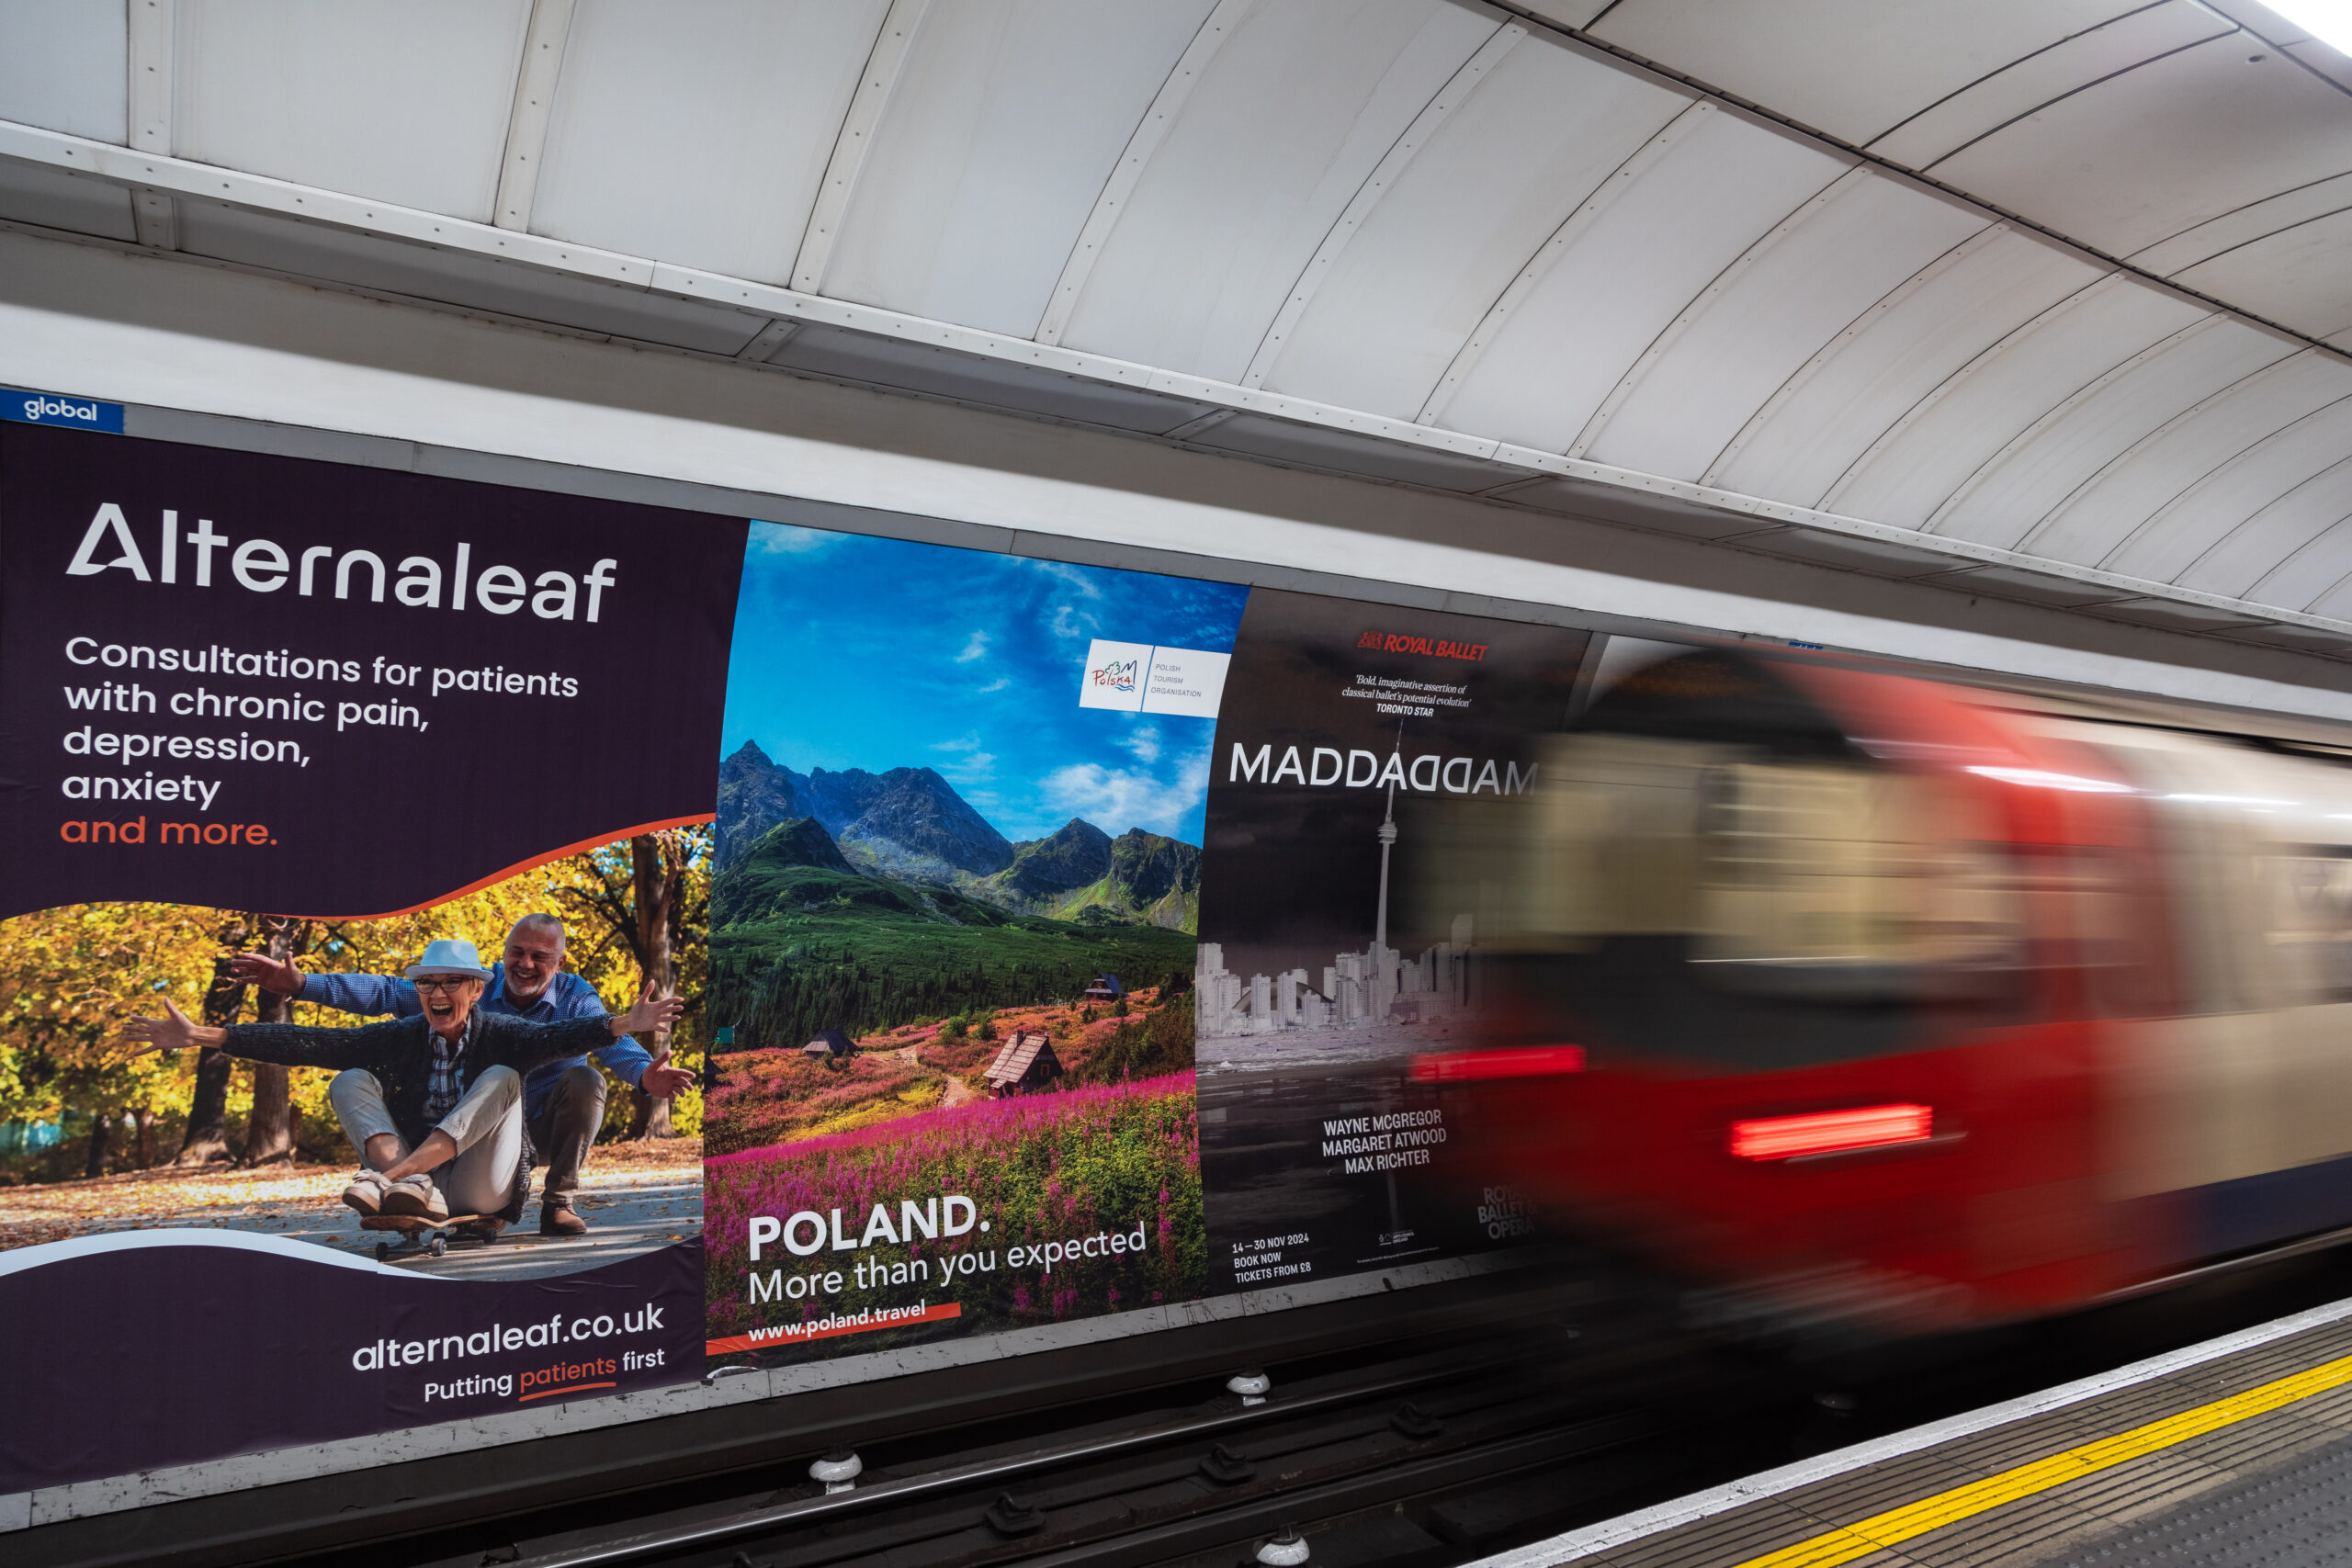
{"x": 49, "y": 408}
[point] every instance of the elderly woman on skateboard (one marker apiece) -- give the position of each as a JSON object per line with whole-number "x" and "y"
{"x": 434, "y": 1103}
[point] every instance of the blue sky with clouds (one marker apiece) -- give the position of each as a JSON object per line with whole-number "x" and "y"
{"x": 855, "y": 652}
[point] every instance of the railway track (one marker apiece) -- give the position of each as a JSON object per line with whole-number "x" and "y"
{"x": 1426, "y": 1451}
{"x": 1209, "y": 1482}
{"x": 1398, "y": 1456}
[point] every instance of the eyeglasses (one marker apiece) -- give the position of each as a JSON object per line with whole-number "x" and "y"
{"x": 443, "y": 982}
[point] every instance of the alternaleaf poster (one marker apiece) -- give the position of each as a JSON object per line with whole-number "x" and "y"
{"x": 357, "y": 835}
{"x": 1352, "y": 739}
{"x": 958, "y": 877}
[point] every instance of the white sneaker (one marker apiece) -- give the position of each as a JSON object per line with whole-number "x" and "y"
{"x": 365, "y": 1192}
{"x": 416, "y": 1195}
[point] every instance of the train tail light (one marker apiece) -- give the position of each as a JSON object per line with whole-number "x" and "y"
{"x": 1831, "y": 1131}
{"x": 1466, "y": 1067}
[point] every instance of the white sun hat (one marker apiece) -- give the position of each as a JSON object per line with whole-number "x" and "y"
{"x": 448, "y": 956}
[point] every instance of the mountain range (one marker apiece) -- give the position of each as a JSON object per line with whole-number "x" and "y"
{"x": 910, "y": 826}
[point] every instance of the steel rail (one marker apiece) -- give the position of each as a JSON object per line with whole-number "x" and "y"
{"x": 634, "y": 1549}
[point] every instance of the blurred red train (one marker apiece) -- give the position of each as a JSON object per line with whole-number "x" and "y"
{"x": 1857, "y": 995}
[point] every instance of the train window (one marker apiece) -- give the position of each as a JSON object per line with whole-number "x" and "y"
{"x": 2308, "y": 894}
{"x": 2103, "y": 900}
{"x": 1838, "y": 881}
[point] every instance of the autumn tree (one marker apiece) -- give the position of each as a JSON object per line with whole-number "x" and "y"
{"x": 653, "y": 901}
{"x": 71, "y": 978}
{"x": 269, "y": 1125}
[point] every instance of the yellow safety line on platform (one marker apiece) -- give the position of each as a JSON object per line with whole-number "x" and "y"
{"x": 1880, "y": 1532}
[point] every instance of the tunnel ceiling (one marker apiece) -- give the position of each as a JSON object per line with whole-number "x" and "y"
{"x": 2040, "y": 298}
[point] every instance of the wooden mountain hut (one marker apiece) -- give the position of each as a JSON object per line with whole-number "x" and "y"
{"x": 830, "y": 1045}
{"x": 1027, "y": 1066}
{"x": 1106, "y": 989}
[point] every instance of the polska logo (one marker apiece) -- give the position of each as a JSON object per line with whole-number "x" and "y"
{"x": 38, "y": 409}
{"x": 1119, "y": 675}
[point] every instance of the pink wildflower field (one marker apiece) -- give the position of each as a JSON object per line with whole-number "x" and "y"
{"x": 1045, "y": 1167}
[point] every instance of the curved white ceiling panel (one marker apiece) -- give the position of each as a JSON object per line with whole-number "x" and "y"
{"x": 1895, "y": 57}
{"x": 700, "y": 144}
{"x": 1749, "y": 332}
{"x": 405, "y": 104}
{"x": 2162, "y": 464}
{"x": 1530, "y": 143}
{"x": 61, "y": 67}
{"x": 2169, "y": 542}
{"x": 2327, "y": 561}
{"x": 1985, "y": 107}
{"x": 1290, "y": 120}
{"x": 2246, "y": 224}
{"x": 1934, "y": 448}
{"x": 1669, "y": 232}
{"x": 1435, "y": 242}
{"x": 2297, "y": 277}
{"x": 1890, "y": 357}
{"x": 1004, "y": 122}
{"x": 2278, "y": 534}
{"x": 2051, "y": 459}
{"x": 2178, "y": 142}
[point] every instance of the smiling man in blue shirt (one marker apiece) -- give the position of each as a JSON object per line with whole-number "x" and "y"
{"x": 563, "y": 1101}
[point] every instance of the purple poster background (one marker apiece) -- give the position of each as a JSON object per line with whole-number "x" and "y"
{"x": 265, "y": 682}
{"x": 169, "y": 1347}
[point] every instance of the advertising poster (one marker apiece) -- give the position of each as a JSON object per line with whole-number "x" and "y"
{"x": 952, "y": 943}
{"x": 273, "y": 733}
{"x": 1349, "y": 732}
{"x": 801, "y": 944}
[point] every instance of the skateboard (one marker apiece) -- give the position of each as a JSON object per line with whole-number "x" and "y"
{"x": 413, "y": 1229}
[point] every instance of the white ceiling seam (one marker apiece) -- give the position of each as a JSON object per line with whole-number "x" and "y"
{"x": 151, "y": 25}
{"x": 1873, "y": 235}
{"x": 526, "y": 124}
{"x": 2066, "y": 452}
{"x": 1964, "y": 552}
{"x": 279, "y": 197}
{"x": 406, "y": 104}
{"x": 1507, "y": 36}
{"x": 148, "y": 61}
{"x": 2340, "y": 535}
{"x": 1950, "y": 384}
{"x": 700, "y": 134}
{"x": 1290, "y": 121}
{"x": 2034, "y": 104}
{"x": 2164, "y": 147}
{"x": 2324, "y": 432}
{"x": 2245, "y": 225}
{"x": 1993, "y": 207}
{"x": 2065, "y": 407}
{"x": 891, "y": 43}
{"x": 2000, "y": 397}
{"x": 2171, "y": 459}
{"x": 1890, "y": 61}
{"x": 1149, "y": 132}
{"x": 287, "y": 199}
{"x": 1935, "y": 131}
{"x": 2300, "y": 517}
{"x": 1580, "y": 218}
{"x": 1594, "y": 427}
{"x": 687, "y": 283}
{"x": 1803, "y": 376}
